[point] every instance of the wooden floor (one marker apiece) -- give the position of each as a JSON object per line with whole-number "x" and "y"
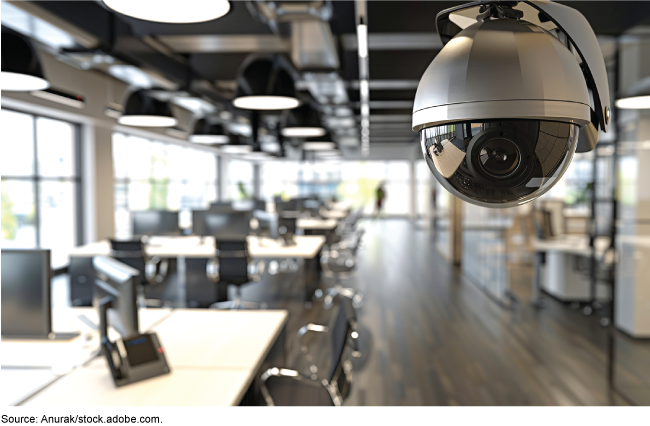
{"x": 430, "y": 337}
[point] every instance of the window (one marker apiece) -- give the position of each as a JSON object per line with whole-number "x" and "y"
{"x": 359, "y": 179}
{"x": 296, "y": 179}
{"x": 152, "y": 175}
{"x": 41, "y": 184}
{"x": 240, "y": 180}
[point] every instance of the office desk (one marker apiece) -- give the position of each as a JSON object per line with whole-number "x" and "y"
{"x": 334, "y": 214}
{"x": 215, "y": 356}
{"x": 63, "y": 355}
{"x": 316, "y": 224}
{"x": 193, "y": 246}
{"x": 30, "y": 365}
{"x": 193, "y": 289}
{"x": 559, "y": 279}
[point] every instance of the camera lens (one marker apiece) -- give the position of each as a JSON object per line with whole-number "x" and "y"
{"x": 499, "y": 157}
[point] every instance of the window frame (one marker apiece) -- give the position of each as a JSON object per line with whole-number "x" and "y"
{"x": 36, "y": 178}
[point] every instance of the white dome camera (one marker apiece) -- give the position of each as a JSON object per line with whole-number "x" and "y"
{"x": 500, "y": 108}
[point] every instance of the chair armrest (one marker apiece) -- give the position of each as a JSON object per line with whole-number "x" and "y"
{"x": 156, "y": 270}
{"x": 306, "y": 329}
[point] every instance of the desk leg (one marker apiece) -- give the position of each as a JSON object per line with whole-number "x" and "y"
{"x": 536, "y": 299}
{"x": 310, "y": 280}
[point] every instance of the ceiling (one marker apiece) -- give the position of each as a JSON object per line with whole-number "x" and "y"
{"x": 402, "y": 43}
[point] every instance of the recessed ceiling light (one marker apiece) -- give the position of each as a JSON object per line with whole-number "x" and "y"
{"x": 171, "y": 11}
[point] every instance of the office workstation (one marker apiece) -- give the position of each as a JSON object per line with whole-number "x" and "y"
{"x": 325, "y": 203}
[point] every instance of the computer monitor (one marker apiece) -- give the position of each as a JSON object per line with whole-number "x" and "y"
{"x": 26, "y": 309}
{"x": 136, "y": 356}
{"x": 291, "y": 205}
{"x": 155, "y": 222}
{"x": 267, "y": 224}
{"x": 221, "y": 205}
{"x": 116, "y": 284}
{"x": 232, "y": 225}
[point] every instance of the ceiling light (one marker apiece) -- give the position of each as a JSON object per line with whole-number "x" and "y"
{"x": 635, "y": 102}
{"x": 207, "y": 133}
{"x": 303, "y": 132}
{"x": 318, "y": 146}
{"x": 171, "y": 11}
{"x": 362, "y": 40}
{"x": 21, "y": 66}
{"x": 264, "y": 84}
{"x": 303, "y": 122}
{"x": 364, "y": 88}
{"x": 265, "y": 102}
{"x": 145, "y": 111}
{"x": 236, "y": 149}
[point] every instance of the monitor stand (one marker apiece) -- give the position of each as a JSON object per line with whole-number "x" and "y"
{"x": 288, "y": 241}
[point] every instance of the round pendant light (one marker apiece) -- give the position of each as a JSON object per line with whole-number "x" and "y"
{"x": 303, "y": 122}
{"x": 236, "y": 146}
{"x": 263, "y": 84}
{"x": 171, "y": 11}
{"x": 143, "y": 110}
{"x": 323, "y": 144}
{"x": 21, "y": 66}
{"x": 206, "y": 133}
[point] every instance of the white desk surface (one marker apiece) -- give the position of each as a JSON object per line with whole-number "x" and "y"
{"x": 312, "y": 224}
{"x": 572, "y": 244}
{"x": 214, "y": 357}
{"x": 333, "y": 214}
{"x": 18, "y": 384}
{"x": 63, "y": 355}
{"x": 215, "y": 339}
{"x": 307, "y": 246}
{"x": 340, "y": 205}
{"x": 91, "y": 385}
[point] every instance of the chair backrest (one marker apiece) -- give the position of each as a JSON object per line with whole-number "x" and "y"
{"x": 340, "y": 333}
{"x": 233, "y": 262}
{"x": 130, "y": 252}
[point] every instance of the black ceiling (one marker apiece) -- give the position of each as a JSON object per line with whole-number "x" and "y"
{"x": 384, "y": 17}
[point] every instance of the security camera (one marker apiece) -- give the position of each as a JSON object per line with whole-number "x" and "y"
{"x": 500, "y": 108}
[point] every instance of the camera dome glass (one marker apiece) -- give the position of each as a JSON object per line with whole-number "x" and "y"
{"x": 500, "y": 163}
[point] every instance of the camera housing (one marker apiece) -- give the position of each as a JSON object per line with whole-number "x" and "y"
{"x": 500, "y": 108}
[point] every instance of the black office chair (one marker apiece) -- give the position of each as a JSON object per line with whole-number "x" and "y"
{"x": 339, "y": 261}
{"x": 232, "y": 265}
{"x": 281, "y": 386}
{"x": 153, "y": 270}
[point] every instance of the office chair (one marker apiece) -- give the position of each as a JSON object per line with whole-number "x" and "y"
{"x": 232, "y": 265}
{"x": 339, "y": 261}
{"x": 153, "y": 270}
{"x": 281, "y": 386}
